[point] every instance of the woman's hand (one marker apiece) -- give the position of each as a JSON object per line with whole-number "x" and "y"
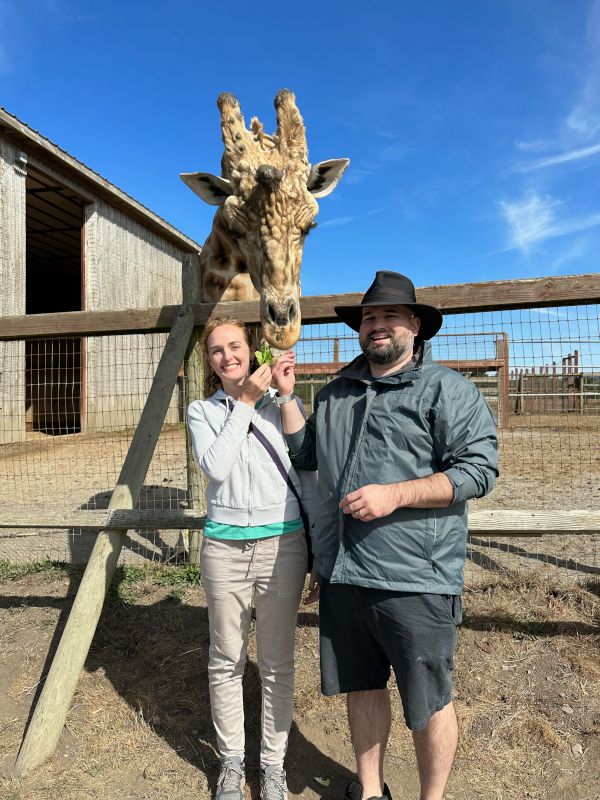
{"x": 284, "y": 376}
{"x": 255, "y": 385}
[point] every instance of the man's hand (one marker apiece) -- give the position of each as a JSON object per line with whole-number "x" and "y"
{"x": 371, "y": 502}
{"x": 284, "y": 376}
{"x": 313, "y": 589}
{"x": 380, "y": 499}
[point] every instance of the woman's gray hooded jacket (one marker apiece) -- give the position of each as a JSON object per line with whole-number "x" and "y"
{"x": 424, "y": 419}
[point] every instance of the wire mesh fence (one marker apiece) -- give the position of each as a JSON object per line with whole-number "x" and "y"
{"x": 70, "y": 406}
{"x": 66, "y": 437}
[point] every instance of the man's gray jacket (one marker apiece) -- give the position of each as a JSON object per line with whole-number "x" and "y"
{"x": 424, "y": 419}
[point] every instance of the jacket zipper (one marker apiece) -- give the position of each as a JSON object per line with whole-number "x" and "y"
{"x": 354, "y": 464}
{"x": 353, "y": 468}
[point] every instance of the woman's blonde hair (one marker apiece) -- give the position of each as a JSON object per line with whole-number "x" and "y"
{"x": 211, "y": 380}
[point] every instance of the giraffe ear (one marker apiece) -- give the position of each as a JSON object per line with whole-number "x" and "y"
{"x": 325, "y": 176}
{"x": 210, "y": 188}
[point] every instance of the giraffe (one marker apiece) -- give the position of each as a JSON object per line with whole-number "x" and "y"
{"x": 267, "y": 198}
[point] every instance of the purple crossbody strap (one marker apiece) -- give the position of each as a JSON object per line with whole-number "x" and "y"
{"x": 282, "y": 470}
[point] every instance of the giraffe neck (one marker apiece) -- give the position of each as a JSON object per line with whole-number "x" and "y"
{"x": 224, "y": 273}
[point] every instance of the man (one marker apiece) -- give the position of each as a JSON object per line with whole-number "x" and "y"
{"x": 401, "y": 443}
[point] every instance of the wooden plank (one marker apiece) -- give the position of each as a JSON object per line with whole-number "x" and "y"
{"x": 88, "y": 323}
{"x": 463, "y": 364}
{"x": 493, "y": 523}
{"x": 99, "y": 519}
{"x": 482, "y": 296}
{"x": 55, "y": 699}
{"x": 533, "y": 523}
{"x": 452, "y": 299}
{"x": 127, "y": 321}
{"x": 558, "y": 290}
{"x": 331, "y": 367}
{"x": 319, "y": 368}
{"x": 194, "y": 367}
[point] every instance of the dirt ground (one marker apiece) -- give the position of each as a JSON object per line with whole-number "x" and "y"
{"x": 527, "y": 692}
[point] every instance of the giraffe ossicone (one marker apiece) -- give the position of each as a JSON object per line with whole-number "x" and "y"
{"x": 267, "y": 202}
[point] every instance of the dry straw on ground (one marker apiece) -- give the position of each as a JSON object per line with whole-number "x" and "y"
{"x": 527, "y": 689}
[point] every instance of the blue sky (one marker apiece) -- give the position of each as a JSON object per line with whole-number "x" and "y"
{"x": 473, "y": 127}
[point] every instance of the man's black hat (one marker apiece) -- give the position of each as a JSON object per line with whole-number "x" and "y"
{"x": 392, "y": 288}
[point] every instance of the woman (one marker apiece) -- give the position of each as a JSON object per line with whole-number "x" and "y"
{"x": 253, "y": 545}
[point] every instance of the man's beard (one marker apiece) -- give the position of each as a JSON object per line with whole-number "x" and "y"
{"x": 381, "y": 355}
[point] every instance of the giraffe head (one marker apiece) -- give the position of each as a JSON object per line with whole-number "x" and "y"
{"x": 268, "y": 197}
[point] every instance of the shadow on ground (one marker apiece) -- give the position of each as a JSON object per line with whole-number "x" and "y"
{"x": 155, "y": 656}
{"x": 149, "y": 545}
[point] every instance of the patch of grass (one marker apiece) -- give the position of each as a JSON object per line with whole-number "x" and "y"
{"x": 49, "y": 569}
{"x": 187, "y": 576}
{"x": 134, "y": 574}
{"x": 129, "y": 582}
{"x": 177, "y": 595}
{"x": 126, "y": 584}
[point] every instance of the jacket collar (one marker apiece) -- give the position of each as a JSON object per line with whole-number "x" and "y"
{"x": 221, "y": 396}
{"x": 360, "y": 370}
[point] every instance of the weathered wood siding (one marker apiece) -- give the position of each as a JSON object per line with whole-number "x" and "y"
{"x": 126, "y": 266}
{"x": 12, "y": 291}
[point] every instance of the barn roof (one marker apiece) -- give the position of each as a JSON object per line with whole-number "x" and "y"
{"x": 42, "y": 152}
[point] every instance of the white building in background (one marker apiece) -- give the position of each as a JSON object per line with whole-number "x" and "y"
{"x": 71, "y": 241}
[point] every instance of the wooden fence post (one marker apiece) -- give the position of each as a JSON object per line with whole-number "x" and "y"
{"x": 194, "y": 390}
{"x": 571, "y": 383}
{"x": 519, "y": 392}
{"x": 578, "y": 383}
{"x": 55, "y": 699}
{"x": 503, "y": 381}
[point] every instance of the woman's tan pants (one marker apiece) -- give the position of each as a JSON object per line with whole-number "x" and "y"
{"x": 272, "y": 570}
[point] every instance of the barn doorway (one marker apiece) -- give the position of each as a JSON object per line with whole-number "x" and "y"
{"x": 54, "y": 282}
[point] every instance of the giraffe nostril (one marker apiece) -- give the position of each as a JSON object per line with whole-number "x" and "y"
{"x": 281, "y": 313}
{"x": 271, "y": 313}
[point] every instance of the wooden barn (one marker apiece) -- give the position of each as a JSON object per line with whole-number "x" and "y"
{"x": 71, "y": 241}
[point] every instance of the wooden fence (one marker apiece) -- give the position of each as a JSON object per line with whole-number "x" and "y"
{"x": 182, "y": 323}
{"x": 554, "y": 389}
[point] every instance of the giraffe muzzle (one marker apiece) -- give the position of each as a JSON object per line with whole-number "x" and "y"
{"x": 281, "y": 322}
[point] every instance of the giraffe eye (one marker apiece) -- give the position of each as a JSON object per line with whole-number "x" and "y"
{"x": 306, "y": 230}
{"x": 236, "y": 219}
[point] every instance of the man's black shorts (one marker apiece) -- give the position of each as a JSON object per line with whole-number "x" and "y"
{"x": 365, "y": 631}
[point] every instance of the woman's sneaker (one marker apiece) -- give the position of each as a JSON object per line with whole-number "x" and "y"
{"x": 230, "y": 785}
{"x": 272, "y": 783}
